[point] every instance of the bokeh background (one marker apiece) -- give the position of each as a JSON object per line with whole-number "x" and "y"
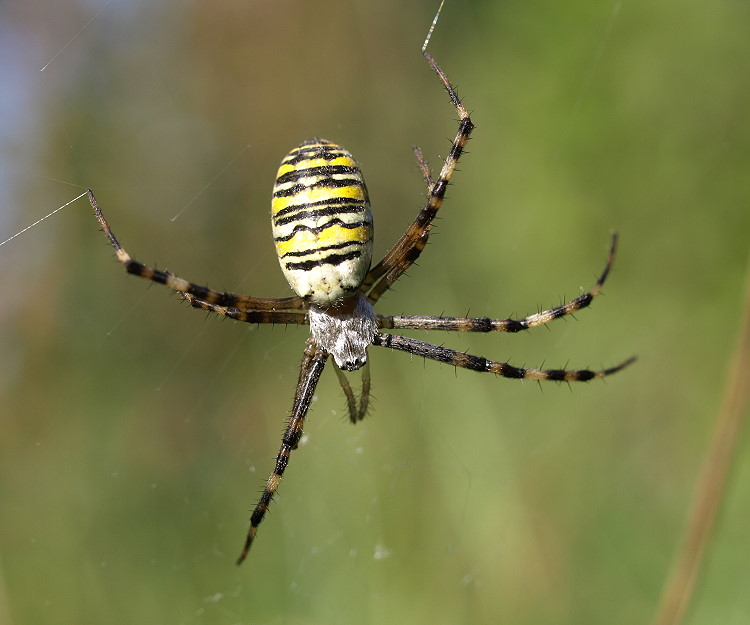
{"x": 135, "y": 433}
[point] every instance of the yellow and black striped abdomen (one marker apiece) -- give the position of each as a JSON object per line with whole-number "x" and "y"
{"x": 322, "y": 222}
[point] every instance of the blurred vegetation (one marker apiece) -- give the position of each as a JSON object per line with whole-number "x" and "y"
{"x": 136, "y": 434}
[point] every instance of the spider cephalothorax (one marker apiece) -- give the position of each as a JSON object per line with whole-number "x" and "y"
{"x": 322, "y": 228}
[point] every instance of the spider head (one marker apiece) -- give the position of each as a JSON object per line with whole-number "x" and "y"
{"x": 353, "y": 364}
{"x": 345, "y": 331}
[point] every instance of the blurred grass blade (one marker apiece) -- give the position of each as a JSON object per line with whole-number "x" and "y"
{"x": 713, "y": 477}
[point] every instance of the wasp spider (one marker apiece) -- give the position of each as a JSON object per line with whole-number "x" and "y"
{"x": 323, "y": 231}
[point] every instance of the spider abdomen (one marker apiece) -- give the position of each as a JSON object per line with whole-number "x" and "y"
{"x": 322, "y": 222}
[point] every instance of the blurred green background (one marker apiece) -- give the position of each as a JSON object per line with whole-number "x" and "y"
{"x": 135, "y": 433}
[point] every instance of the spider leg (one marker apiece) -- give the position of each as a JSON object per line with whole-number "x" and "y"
{"x": 249, "y": 316}
{"x": 485, "y": 324}
{"x": 408, "y": 248}
{"x": 313, "y": 361}
{"x": 357, "y": 409}
{"x": 477, "y": 363}
{"x": 424, "y": 168}
{"x": 220, "y": 298}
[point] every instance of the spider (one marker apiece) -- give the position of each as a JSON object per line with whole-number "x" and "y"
{"x": 323, "y": 231}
